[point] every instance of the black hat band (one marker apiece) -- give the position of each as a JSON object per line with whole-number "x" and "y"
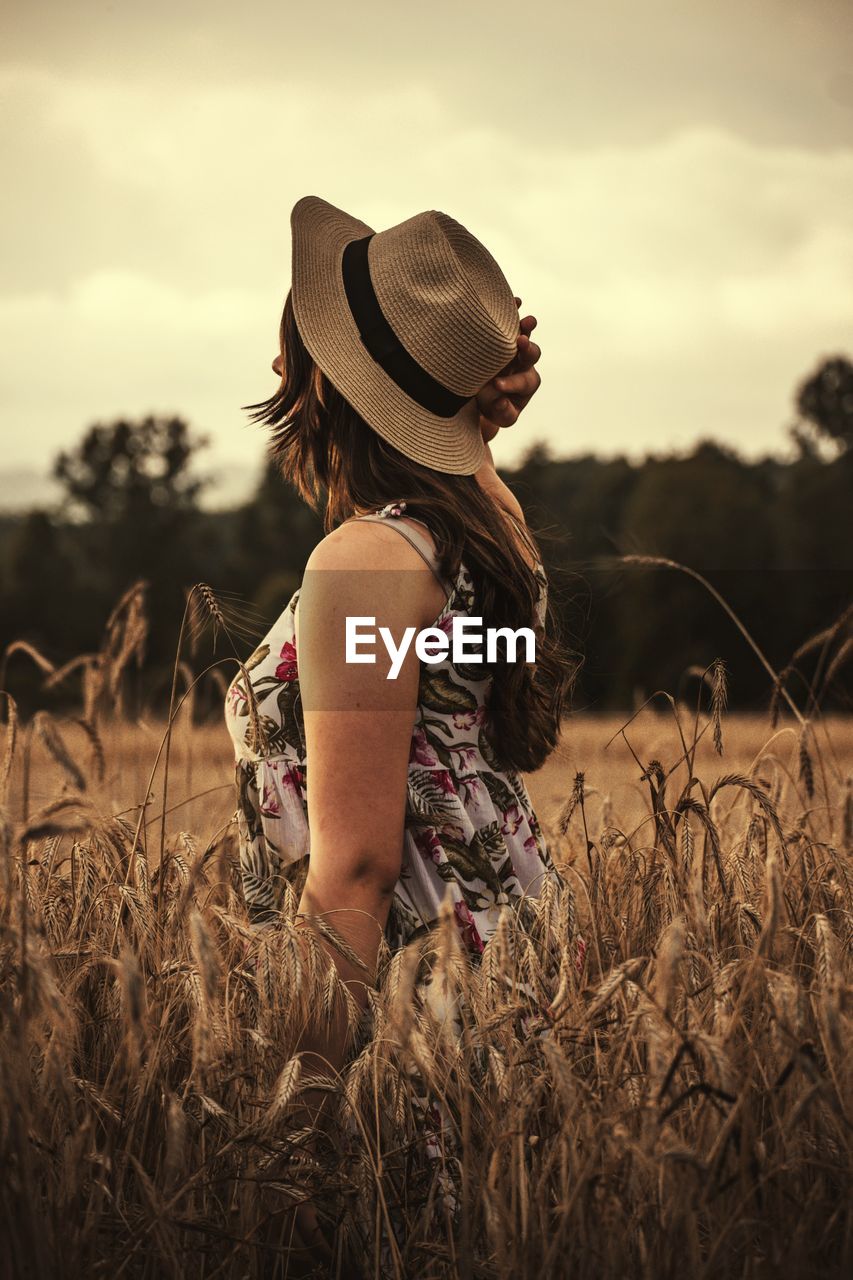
{"x": 382, "y": 342}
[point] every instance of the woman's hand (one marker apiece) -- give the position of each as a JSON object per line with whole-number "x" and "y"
{"x": 502, "y": 399}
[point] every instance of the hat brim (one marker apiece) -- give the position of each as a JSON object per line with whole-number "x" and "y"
{"x": 319, "y": 234}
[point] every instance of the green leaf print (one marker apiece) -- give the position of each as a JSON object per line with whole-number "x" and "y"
{"x": 437, "y": 746}
{"x": 442, "y": 752}
{"x": 428, "y": 723}
{"x": 467, "y": 671}
{"x": 508, "y": 878}
{"x": 259, "y": 743}
{"x": 465, "y": 598}
{"x": 248, "y": 801}
{"x": 290, "y": 715}
{"x": 472, "y": 861}
{"x": 264, "y": 686}
{"x": 471, "y": 898}
{"x": 503, "y": 797}
{"x": 440, "y": 693}
{"x": 487, "y": 751}
{"x": 426, "y": 798}
{"x": 491, "y": 841}
{"x": 518, "y": 787}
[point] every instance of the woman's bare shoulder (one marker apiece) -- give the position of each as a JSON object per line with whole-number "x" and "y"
{"x": 364, "y": 544}
{"x": 417, "y": 597}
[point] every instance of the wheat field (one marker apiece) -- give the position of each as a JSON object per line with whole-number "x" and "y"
{"x": 648, "y": 1074}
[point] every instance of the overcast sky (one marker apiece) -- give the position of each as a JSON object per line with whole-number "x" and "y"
{"x": 668, "y": 187}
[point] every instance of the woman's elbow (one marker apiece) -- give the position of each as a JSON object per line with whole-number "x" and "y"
{"x": 375, "y": 870}
{"x": 378, "y": 869}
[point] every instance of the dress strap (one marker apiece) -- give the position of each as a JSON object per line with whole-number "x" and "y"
{"x": 418, "y": 540}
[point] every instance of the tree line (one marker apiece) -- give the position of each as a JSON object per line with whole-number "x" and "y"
{"x": 767, "y": 544}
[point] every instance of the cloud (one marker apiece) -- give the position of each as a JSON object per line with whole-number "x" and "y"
{"x": 681, "y": 285}
{"x": 584, "y": 74}
{"x": 117, "y": 344}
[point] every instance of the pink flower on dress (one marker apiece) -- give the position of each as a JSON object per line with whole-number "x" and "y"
{"x": 531, "y": 845}
{"x": 467, "y": 757}
{"x": 472, "y": 787}
{"x": 270, "y": 807}
{"x": 445, "y": 781}
{"x": 468, "y": 719}
{"x": 293, "y": 777}
{"x": 428, "y": 844}
{"x": 287, "y": 669}
{"x": 513, "y": 819}
{"x": 236, "y": 696}
{"x": 467, "y": 927}
{"x": 420, "y": 751}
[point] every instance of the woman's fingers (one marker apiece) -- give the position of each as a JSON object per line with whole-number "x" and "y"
{"x": 493, "y": 403}
{"x": 528, "y": 352}
{"x": 507, "y": 413}
{"x": 527, "y": 325}
{"x": 502, "y": 411}
{"x": 519, "y": 384}
{"x": 502, "y": 399}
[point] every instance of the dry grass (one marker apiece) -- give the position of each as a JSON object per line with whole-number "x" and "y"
{"x": 648, "y": 1075}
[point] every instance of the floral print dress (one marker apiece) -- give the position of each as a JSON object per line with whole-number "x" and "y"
{"x": 470, "y": 829}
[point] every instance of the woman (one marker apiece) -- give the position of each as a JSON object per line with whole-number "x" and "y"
{"x": 392, "y": 349}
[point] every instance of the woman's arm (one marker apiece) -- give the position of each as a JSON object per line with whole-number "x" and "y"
{"x": 358, "y": 730}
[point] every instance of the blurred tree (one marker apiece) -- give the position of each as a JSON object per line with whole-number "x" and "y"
{"x": 705, "y": 511}
{"x": 577, "y": 505}
{"x": 127, "y": 470}
{"x": 37, "y": 601}
{"x": 276, "y": 534}
{"x": 773, "y": 536}
{"x": 38, "y": 576}
{"x": 825, "y": 401}
{"x": 130, "y": 488}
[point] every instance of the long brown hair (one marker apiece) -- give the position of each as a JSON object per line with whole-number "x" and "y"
{"x": 338, "y": 463}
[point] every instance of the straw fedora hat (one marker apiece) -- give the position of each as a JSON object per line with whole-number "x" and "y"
{"x": 407, "y": 324}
